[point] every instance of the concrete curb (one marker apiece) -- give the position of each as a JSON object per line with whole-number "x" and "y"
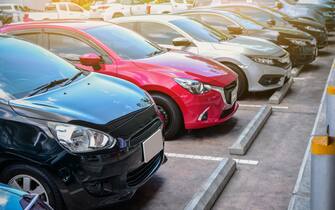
{"x": 279, "y": 95}
{"x": 205, "y": 198}
{"x": 243, "y": 143}
{"x": 296, "y": 70}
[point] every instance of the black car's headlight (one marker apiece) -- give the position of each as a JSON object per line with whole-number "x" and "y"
{"x": 311, "y": 28}
{"x": 193, "y": 86}
{"x": 79, "y": 139}
{"x": 298, "y": 42}
{"x": 262, "y": 60}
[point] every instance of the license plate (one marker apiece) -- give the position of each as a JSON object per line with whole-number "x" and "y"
{"x": 152, "y": 146}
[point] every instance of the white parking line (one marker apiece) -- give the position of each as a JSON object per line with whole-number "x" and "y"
{"x": 211, "y": 158}
{"x": 259, "y": 106}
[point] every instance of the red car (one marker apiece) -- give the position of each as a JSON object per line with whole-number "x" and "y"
{"x": 190, "y": 91}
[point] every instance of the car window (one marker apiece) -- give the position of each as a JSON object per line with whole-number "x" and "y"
{"x": 244, "y": 22}
{"x": 62, "y": 7}
{"x": 200, "y": 31}
{"x": 125, "y": 43}
{"x": 51, "y": 8}
{"x": 158, "y": 33}
{"x": 68, "y": 47}
{"x": 75, "y": 8}
{"x": 131, "y": 26}
{"x": 29, "y": 37}
{"x": 25, "y": 67}
{"x": 216, "y": 21}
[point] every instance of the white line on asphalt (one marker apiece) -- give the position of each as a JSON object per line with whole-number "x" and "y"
{"x": 259, "y": 106}
{"x": 210, "y": 158}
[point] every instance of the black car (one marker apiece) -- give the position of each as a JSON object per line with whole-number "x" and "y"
{"x": 318, "y": 31}
{"x": 300, "y": 45}
{"x": 80, "y": 140}
{"x": 5, "y": 18}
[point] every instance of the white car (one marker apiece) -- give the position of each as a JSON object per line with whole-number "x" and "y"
{"x": 61, "y": 10}
{"x": 15, "y": 9}
{"x": 139, "y": 7}
{"x": 260, "y": 64}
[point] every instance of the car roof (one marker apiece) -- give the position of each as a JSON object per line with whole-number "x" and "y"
{"x": 76, "y": 24}
{"x": 161, "y": 18}
{"x": 209, "y": 10}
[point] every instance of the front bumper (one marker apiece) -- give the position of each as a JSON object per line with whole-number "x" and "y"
{"x": 105, "y": 183}
{"x": 330, "y": 24}
{"x": 302, "y": 55}
{"x": 210, "y": 109}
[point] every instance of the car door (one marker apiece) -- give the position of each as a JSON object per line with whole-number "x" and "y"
{"x": 163, "y": 35}
{"x": 70, "y": 46}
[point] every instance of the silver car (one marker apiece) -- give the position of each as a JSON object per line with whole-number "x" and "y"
{"x": 260, "y": 64}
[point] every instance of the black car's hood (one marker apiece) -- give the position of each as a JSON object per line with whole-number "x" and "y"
{"x": 96, "y": 99}
{"x": 292, "y": 33}
{"x": 304, "y": 22}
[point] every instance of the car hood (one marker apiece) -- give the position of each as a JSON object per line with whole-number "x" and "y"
{"x": 176, "y": 63}
{"x": 306, "y": 22}
{"x": 292, "y": 33}
{"x": 250, "y": 46}
{"x": 96, "y": 99}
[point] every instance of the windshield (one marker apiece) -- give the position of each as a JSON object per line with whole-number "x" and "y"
{"x": 200, "y": 31}
{"x": 125, "y": 43}
{"x": 245, "y": 23}
{"x": 25, "y": 67}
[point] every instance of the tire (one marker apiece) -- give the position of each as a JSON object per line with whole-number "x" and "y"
{"x": 172, "y": 116}
{"x": 242, "y": 80}
{"x": 118, "y": 15}
{"x": 17, "y": 171}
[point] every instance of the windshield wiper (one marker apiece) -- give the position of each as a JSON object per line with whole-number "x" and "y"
{"x": 46, "y": 87}
{"x": 69, "y": 81}
{"x": 157, "y": 52}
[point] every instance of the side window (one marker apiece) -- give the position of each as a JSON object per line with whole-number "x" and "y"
{"x": 217, "y": 22}
{"x": 31, "y": 37}
{"x": 131, "y": 26}
{"x": 62, "y": 7}
{"x": 75, "y": 8}
{"x": 158, "y": 33}
{"x": 68, "y": 47}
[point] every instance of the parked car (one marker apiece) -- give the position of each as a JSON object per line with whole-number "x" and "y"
{"x": 60, "y": 10}
{"x": 301, "y": 46}
{"x": 5, "y": 18}
{"x": 276, "y": 20}
{"x": 285, "y": 6}
{"x": 79, "y": 140}
{"x": 16, "y": 10}
{"x": 14, "y": 199}
{"x": 180, "y": 83}
{"x": 330, "y": 3}
{"x": 139, "y": 7}
{"x": 318, "y": 31}
{"x": 261, "y": 65}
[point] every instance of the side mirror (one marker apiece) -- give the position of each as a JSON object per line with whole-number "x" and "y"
{"x": 271, "y": 22}
{"x": 279, "y": 5}
{"x": 235, "y": 30}
{"x": 91, "y": 59}
{"x": 181, "y": 41}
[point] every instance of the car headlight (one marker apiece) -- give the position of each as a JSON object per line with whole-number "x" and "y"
{"x": 194, "y": 86}
{"x": 311, "y": 28}
{"x": 263, "y": 60}
{"x": 80, "y": 139}
{"x": 298, "y": 42}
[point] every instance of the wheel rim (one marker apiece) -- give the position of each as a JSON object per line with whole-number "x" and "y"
{"x": 29, "y": 184}
{"x": 165, "y": 115}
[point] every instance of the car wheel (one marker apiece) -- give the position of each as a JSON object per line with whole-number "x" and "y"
{"x": 33, "y": 180}
{"x": 118, "y": 15}
{"x": 242, "y": 80}
{"x": 171, "y": 114}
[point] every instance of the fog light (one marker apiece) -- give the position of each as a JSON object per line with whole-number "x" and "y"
{"x": 204, "y": 115}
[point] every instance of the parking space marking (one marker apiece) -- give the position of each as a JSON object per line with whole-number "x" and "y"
{"x": 211, "y": 158}
{"x": 259, "y": 106}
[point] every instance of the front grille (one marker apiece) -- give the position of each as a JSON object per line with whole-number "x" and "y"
{"x": 228, "y": 91}
{"x": 283, "y": 62}
{"x": 144, "y": 172}
{"x": 135, "y": 127}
